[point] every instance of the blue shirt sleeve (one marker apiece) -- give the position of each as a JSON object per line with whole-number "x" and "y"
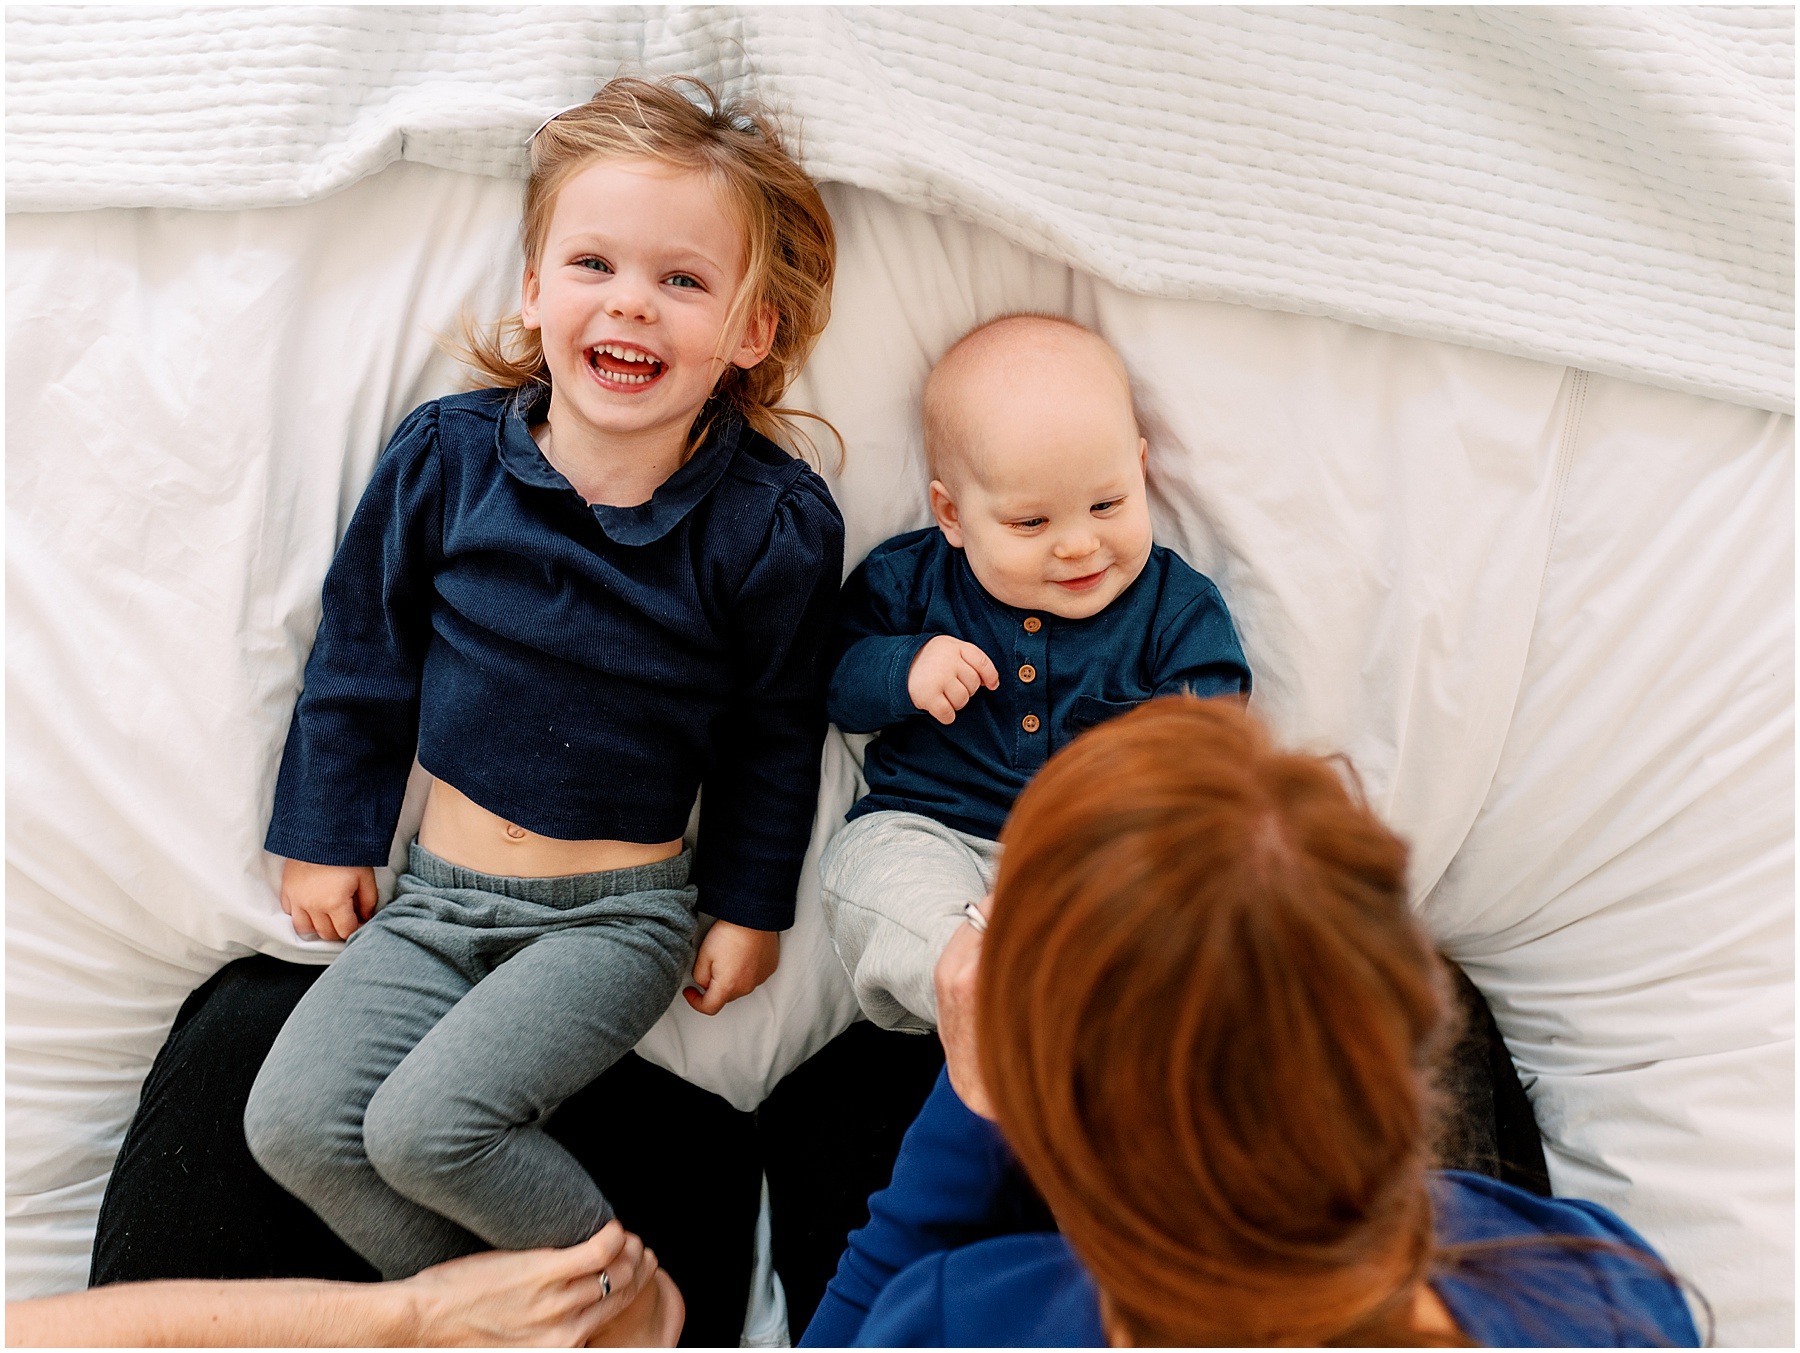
{"x": 355, "y": 727}
{"x": 954, "y": 1182}
{"x": 757, "y": 805}
{"x": 876, "y": 639}
{"x": 1197, "y": 649}
{"x": 1522, "y": 1271}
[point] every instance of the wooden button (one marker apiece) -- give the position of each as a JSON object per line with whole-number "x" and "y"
{"x": 1033, "y": 624}
{"x": 1030, "y": 723}
{"x": 1028, "y": 673}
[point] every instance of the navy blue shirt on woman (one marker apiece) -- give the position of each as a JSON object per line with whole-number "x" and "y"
{"x": 1169, "y": 631}
{"x": 943, "y": 1262}
{"x": 578, "y": 670}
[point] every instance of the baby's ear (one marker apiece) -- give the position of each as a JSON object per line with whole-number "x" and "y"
{"x": 1144, "y": 455}
{"x": 943, "y": 508}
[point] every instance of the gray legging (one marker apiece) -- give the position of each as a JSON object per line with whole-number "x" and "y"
{"x": 405, "y": 1098}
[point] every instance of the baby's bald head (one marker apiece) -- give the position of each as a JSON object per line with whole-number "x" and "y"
{"x": 1015, "y": 372}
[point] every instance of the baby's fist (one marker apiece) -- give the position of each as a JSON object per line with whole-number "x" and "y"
{"x": 946, "y": 675}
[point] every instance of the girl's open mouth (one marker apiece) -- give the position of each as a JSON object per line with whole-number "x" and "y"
{"x": 619, "y": 366}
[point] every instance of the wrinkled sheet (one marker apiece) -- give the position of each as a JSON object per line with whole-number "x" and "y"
{"x": 1548, "y": 615}
{"x": 1607, "y": 187}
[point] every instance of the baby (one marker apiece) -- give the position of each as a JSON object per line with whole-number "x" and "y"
{"x": 1036, "y": 607}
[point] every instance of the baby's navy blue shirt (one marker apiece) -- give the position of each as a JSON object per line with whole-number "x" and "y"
{"x": 579, "y": 670}
{"x": 1168, "y": 631}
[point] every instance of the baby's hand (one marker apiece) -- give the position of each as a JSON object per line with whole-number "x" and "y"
{"x": 733, "y": 961}
{"x": 327, "y": 900}
{"x": 946, "y": 675}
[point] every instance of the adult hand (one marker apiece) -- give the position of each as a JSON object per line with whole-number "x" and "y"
{"x": 524, "y": 1297}
{"x": 733, "y": 961}
{"x": 946, "y": 674}
{"x": 327, "y": 900}
{"x": 536, "y": 1298}
{"x": 654, "y": 1320}
{"x": 954, "y": 978}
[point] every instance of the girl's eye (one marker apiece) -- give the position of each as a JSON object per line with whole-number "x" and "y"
{"x": 593, "y": 264}
{"x": 681, "y": 279}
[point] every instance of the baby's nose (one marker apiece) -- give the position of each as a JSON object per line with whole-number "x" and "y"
{"x": 1077, "y": 545}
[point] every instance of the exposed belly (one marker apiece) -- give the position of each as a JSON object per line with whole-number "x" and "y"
{"x": 459, "y": 830}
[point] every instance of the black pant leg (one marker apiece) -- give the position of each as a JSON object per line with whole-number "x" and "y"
{"x": 1488, "y": 1126}
{"x": 186, "y": 1199}
{"x": 681, "y": 1168}
{"x": 830, "y": 1133}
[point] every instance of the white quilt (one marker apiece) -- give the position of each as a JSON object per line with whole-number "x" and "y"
{"x": 1607, "y": 187}
{"x": 1548, "y": 611}
{"x": 1548, "y": 614}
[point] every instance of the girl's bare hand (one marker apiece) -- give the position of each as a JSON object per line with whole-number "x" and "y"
{"x": 733, "y": 961}
{"x": 327, "y": 900}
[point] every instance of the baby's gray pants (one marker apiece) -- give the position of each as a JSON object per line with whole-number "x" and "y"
{"x": 894, "y": 885}
{"x": 405, "y": 1098}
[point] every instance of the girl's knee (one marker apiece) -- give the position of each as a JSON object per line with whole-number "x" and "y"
{"x": 414, "y": 1135}
{"x": 295, "y": 1136}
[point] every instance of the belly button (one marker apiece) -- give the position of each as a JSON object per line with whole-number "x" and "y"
{"x": 515, "y": 832}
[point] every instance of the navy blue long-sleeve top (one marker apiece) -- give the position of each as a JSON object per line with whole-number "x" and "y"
{"x": 579, "y": 670}
{"x": 1168, "y": 631}
{"x": 945, "y": 1263}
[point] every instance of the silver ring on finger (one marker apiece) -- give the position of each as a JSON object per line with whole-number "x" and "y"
{"x": 973, "y": 915}
{"x": 605, "y": 1285}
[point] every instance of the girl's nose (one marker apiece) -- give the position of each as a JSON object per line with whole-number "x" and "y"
{"x": 628, "y": 298}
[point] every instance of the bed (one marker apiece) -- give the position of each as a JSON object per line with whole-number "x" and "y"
{"x": 1465, "y": 365}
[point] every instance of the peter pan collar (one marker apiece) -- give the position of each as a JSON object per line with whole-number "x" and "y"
{"x": 646, "y": 522}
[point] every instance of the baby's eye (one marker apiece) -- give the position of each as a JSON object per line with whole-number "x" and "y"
{"x": 1028, "y": 523}
{"x": 593, "y": 264}
{"x": 1107, "y": 506}
{"x": 682, "y": 279}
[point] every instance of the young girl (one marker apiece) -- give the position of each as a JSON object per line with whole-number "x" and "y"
{"x": 578, "y": 596}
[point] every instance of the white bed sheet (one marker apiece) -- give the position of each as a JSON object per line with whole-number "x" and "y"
{"x": 1548, "y": 615}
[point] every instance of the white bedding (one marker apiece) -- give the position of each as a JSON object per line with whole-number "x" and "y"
{"x": 1548, "y": 614}
{"x": 1608, "y": 187}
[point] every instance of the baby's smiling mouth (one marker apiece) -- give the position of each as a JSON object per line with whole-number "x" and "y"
{"x": 1082, "y": 583}
{"x": 623, "y": 366}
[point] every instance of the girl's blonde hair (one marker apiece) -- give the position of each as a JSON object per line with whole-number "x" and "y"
{"x": 790, "y": 248}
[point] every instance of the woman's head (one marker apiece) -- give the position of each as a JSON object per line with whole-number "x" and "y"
{"x": 1206, "y": 1020}
{"x": 671, "y": 194}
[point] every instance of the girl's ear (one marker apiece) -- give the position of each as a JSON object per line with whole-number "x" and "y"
{"x": 759, "y": 337}
{"x": 528, "y": 300}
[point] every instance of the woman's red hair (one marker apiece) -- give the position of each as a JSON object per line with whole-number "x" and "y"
{"x": 1207, "y": 1021}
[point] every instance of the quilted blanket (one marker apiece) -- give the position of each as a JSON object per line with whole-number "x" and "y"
{"x": 1605, "y": 188}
